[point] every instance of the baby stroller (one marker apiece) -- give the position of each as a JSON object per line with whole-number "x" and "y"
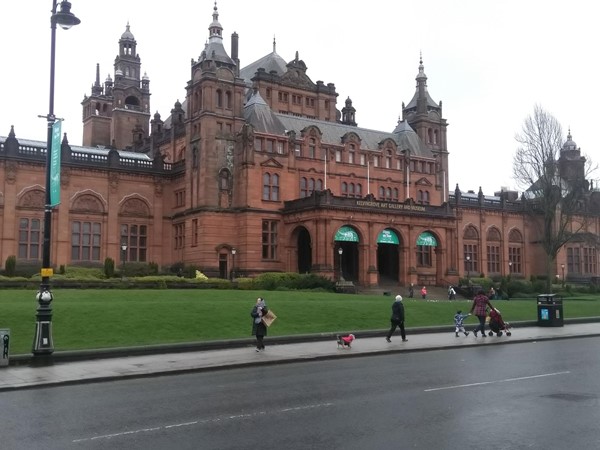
{"x": 497, "y": 325}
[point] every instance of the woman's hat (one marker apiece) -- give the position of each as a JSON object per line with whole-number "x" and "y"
{"x": 398, "y": 298}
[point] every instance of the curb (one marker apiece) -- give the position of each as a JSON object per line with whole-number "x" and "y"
{"x": 83, "y": 355}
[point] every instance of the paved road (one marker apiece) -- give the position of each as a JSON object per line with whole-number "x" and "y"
{"x": 532, "y": 395}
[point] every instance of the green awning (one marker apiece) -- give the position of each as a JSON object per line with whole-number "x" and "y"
{"x": 346, "y": 234}
{"x": 387, "y": 236}
{"x": 426, "y": 238}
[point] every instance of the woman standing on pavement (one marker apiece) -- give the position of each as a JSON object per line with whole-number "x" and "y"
{"x": 479, "y": 308}
{"x": 259, "y": 329}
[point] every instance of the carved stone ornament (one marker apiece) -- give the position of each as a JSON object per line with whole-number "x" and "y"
{"x": 88, "y": 204}
{"x": 11, "y": 172}
{"x": 135, "y": 207}
{"x": 34, "y": 198}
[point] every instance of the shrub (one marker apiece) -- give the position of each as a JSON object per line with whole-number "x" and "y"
{"x": 10, "y": 266}
{"x": 279, "y": 280}
{"x": 109, "y": 267}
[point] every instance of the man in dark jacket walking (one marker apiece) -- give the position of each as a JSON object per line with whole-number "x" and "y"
{"x": 397, "y": 319}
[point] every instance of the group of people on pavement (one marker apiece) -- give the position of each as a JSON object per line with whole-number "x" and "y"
{"x": 479, "y": 308}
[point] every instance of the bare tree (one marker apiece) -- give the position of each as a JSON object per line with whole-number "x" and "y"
{"x": 554, "y": 202}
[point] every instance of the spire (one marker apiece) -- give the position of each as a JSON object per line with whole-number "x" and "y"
{"x": 274, "y": 45}
{"x": 421, "y": 87}
{"x": 216, "y": 30}
{"x": 97, "y": 87}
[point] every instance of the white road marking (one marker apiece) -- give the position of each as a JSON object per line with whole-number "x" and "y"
{"x": 203, "y": 421}
{"x": 458, "y": 386}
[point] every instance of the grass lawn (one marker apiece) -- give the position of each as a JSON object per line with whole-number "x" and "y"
{"x": 107, "y": 318}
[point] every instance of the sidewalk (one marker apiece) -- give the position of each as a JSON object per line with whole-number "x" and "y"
{"x": 26, "y": 376}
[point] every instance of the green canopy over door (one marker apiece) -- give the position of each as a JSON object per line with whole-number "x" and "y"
{"x": 387, "y": 236}
{"x": 426, "y": 238}
{"x": 346, "y": 234}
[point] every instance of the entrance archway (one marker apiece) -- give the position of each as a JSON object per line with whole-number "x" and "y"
{"x": 304, "y": 251}
{"x": 388, "y": 256}
{"x": 346, "y": 262}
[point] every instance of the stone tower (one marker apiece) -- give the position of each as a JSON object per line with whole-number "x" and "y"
{"x": 118, "y": 113}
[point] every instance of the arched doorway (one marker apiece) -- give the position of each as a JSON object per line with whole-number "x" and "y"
{"x": 304, "y": 250}
{"x": 346, "y": 254}
{"x": 388, "y": 256}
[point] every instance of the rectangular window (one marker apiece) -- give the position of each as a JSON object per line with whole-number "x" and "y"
{"x": 135, "y": 240}
{"x": 376, "y": 161}
{"x": 493, "y": 259}
{"x": 514, "y": 258}
{"x": 424, "y": 255}
{"x": 179, "y": 235}
{"x": 258, "y": 144}
{"x": 269, "y": 148}
{"x": 338, "y": 156}
{"x": 30, "y": 238}
{"x": 85, "y": 241}
{"x": 194, "y": 232}
{"x": 363, "y": 160}
{"x": 470, "y": 258}
{"x": 180, "y": 198}
{"x": 269, "y": 239}
{"x": 280, "y": 147}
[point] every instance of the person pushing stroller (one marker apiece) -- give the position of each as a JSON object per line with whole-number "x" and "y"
{"x": 479, "y": 309}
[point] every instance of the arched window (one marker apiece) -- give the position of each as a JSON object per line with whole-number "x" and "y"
{"x": 351, "y": 153}
{"x": 312, "y": 148}
{"x": 303, "y": 190}
{"x": 493, "y": 250}
{"x": 388, "y": 159}
{"x": 471, "y": 249}
{"x": 381, "y": 193}
{"x": 311, "y": 185}
{"x": 344, "y": 189}
{"x": 395, "y": 195}
{"x": 515, "y": 251}
{"x": 219, "y": 98}
{"x": 351, "y": 190}
{"x": 228, "y": 101}
{"x": 359, "y": 190}
{"x": 388, "y": 193}
{"x": 224, "y": 180}
{"x": 319, "y": 185}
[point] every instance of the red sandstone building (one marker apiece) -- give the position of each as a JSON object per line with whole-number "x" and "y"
{"x": 257, "y": 171}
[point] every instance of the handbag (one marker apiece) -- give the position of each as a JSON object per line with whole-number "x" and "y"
{"x": 269, "y": 318}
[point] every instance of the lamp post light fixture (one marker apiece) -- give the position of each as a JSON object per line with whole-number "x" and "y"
{"x": 233, "y": 252}
{"x": 341, "y": 252}
{"x": 42, "y": 341}
{"x": 562, "y": 266}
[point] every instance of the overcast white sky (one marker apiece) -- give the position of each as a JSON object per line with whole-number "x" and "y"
{"x": 489, "y": 62}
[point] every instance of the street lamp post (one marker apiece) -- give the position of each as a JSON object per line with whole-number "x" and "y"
{"x": 233, "y": 252}
{"x": 123, "y": 258}
{"x": 468, "y": 258}
{"x": 562, "y": 266}
{"x": 42, "y": 342}
{"x": 341, "y": 252}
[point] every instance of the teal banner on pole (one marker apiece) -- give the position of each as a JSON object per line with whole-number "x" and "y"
{"x": 55, "y": 165}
